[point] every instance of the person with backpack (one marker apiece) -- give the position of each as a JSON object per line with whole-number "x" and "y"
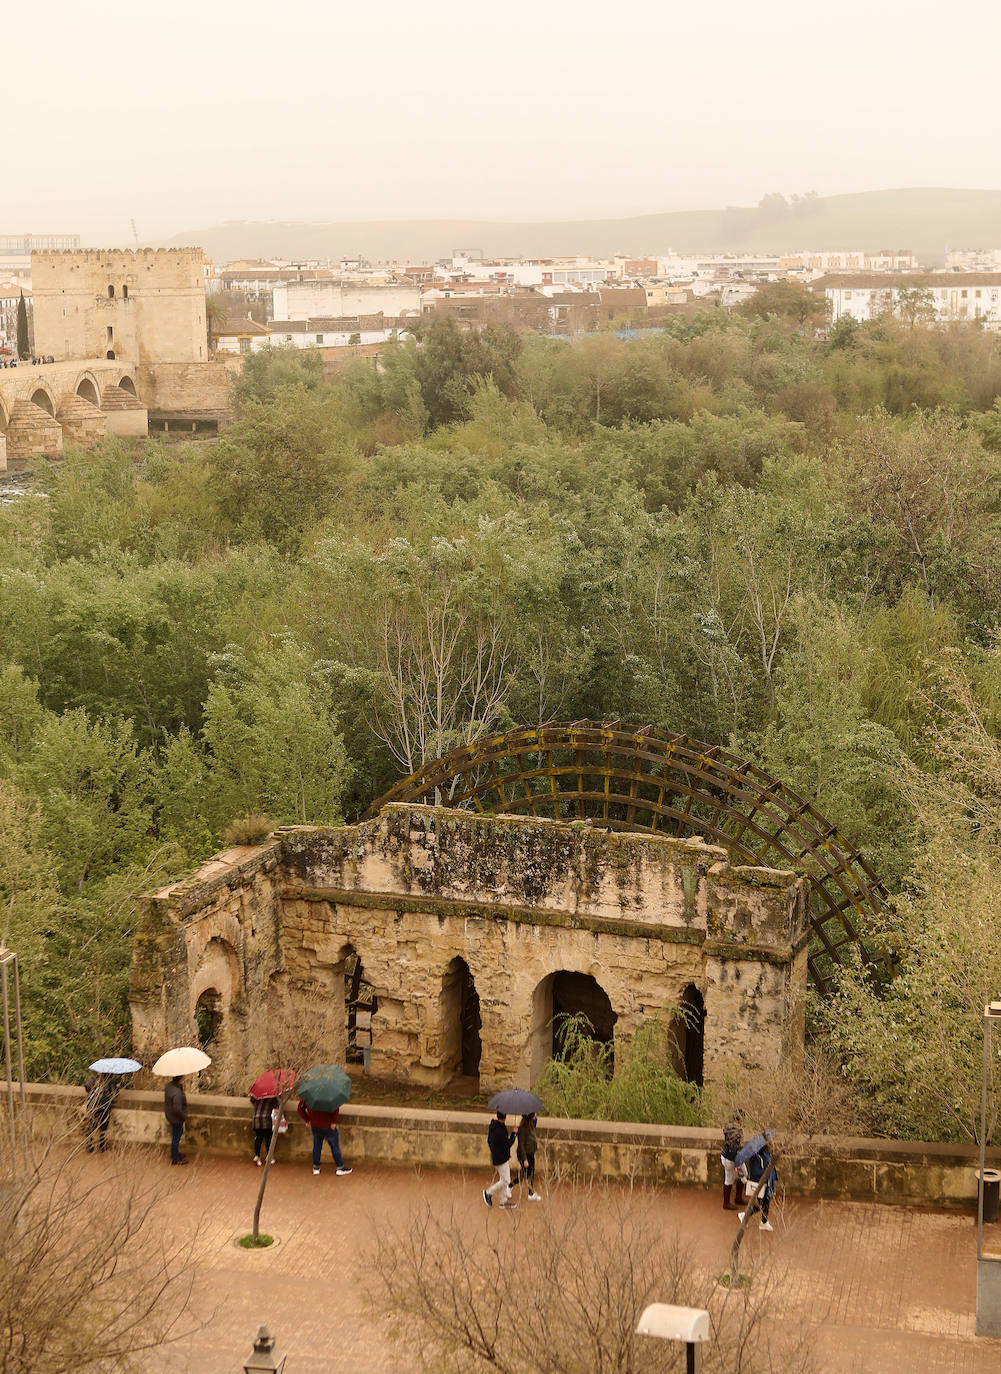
{"x": 733, "y": 1175}
{"x": 500, "y": 1140}
{"x": 760, "y": 1166}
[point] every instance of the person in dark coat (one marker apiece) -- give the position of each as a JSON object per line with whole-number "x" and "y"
{"x": 324, "y": 1128}
{"x": 101, "y": 1092}
{"x": 757, "y": 1167}
{"x": 175, "y": 1109}
{"x": 527, "y": 1143}
{"x": 264, "y": 1124}
{"x": 500, "y": 1140}
{"x": 733, "y": 1174}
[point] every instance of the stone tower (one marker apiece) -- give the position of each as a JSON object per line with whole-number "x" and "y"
{"x": 144, "y": 307}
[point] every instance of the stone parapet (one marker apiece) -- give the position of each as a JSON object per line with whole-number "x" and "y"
{"x": 911, "y": 1173}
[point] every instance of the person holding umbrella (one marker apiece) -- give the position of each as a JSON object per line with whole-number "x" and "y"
{"x": 267, "y": 1109}
{"x": 101, "y": 1092}
{"x": 323, "y": 1090}
{"x": 500, "y": 1140}
{"x": 174, "y": 1065}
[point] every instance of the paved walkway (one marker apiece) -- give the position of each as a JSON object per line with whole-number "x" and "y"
{"x": 892, "y": 1290}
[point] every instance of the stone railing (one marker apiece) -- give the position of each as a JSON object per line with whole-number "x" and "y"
{"x": 902, "y": 1172}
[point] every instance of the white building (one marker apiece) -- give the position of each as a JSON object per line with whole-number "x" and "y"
{"x": 954, "y": 296}
{"x": 331, "y": 299}
{"x": 327, "y": 333}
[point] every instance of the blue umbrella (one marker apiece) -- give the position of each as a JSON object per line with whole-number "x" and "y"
{"x": 116, "y": 1066}
{"x": 517, "y": 1101}
{"x": 748, "y": 1151}
{"x": 325, "y": 1087}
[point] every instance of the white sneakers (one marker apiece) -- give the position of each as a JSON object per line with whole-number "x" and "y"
{"x": 535, "y": 1197}
{"x": 765, "y": 1225}
{"x": 341, "y": 1172}
{"x": 316, "y": 1173}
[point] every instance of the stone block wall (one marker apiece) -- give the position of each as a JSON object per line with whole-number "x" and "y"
{"x": 525, "y": 911}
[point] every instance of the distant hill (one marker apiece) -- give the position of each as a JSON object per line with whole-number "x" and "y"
{"x": 927, "y": 220}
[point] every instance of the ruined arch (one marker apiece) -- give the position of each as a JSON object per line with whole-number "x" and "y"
{"x": 126, "y": 383}
{"x": 87, "y": 389}
{"x": 42, "y": 398}
{"x": 641, "y": 778}
{"x": 566, "y": 992}
{"x": 217, "y": 1022}
{"x": 459, "y": 1010}
{"x": 690, "y": 1035}
{"x": 4, "y": 415}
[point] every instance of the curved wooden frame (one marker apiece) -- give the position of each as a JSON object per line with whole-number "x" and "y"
{"x": 639, "y": 778}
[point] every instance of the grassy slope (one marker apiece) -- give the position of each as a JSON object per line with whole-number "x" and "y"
{"x": 927, "y": 220}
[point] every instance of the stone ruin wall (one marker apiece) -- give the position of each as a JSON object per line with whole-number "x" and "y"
{"x": 518, "y": 899}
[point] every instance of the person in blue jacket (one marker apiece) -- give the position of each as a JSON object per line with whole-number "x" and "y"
{"x": 757, "y": 1167}
{"x": 500, "y": 1140}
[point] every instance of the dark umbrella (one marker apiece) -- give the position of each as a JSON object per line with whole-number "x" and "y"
{"x": 325, "y": 1087}
{"x": 748, "y": 1151}
{"x": 271, "y": 1084}
{"x": 517, "y": 1101}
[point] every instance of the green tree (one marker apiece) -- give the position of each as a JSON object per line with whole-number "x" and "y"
{"x": 23, "y": 347}
{"x": 915, "y": 304}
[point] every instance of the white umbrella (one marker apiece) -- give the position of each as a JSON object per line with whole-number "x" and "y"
{"x": 177, "y": 1062}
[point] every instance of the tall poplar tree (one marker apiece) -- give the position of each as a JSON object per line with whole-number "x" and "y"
{"x": 23, "y": 350}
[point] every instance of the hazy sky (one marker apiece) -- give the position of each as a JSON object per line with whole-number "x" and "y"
{"x": 184, "y": 113}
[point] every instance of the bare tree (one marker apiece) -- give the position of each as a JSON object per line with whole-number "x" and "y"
{"x": 90, "y": 1277}
{"x": 301, "y": 1031}
{"x": 560, "y": 1290}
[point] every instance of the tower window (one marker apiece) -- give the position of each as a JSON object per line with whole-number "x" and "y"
{"x": 125, "y": 293}
{"x": 111, "y": 291}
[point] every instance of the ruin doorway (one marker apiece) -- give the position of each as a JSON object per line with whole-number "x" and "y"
{"x": 690, "y": 1035}
{"x": 461, "y": 1047}
{"x": 360, "y": 1006}
{"x": 208, "y": 1018}
{"x": 559, "y": 998}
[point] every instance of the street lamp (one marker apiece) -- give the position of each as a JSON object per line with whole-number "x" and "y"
{"x": 688, "y": 1324}
{"x": 988, "y": 1266}
{"x": 263, "y": 1359}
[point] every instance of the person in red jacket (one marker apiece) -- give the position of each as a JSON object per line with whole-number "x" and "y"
{"x": 324, "y": 1128}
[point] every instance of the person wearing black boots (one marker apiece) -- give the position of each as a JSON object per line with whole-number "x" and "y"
{"x": 733, "y": 1176}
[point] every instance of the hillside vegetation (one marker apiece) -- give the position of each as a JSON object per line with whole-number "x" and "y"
{"x": 725, "y": 528}
{"x": 927, "y": 220}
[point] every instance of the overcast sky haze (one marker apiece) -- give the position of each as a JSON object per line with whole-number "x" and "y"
{"x": 190, "y": 112}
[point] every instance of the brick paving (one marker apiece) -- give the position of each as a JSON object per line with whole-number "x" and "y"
{"x": 891, "y": 1290}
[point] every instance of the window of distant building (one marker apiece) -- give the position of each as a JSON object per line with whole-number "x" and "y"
{"x": 319, "y": 338}
{"x": 977, "y": 293}
{"x": 963, "y": 295}
{"x": 244, "y": 345}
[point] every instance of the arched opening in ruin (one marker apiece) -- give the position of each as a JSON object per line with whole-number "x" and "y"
{"x": 127, "y": 384}
{"x": 564, "y": 1006}
{"x": 43, "y": 400}
{"x": 690, "y": 1035}
{"x": 208, "y": 1018}
{"x": 88, "y": 391}
{"x": 460, "y": 1023}
{"x": 360, "y": 1005}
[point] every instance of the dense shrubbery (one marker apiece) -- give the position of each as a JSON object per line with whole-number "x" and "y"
{"x": 725, "y": 527}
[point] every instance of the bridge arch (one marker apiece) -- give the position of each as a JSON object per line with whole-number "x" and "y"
{"x": 640, "y": 778}
{"x": 4, "y": 415}
{"x": 43, "y": 398}
{"x": 88, "y": 390}
{"x": 126, "y": 383}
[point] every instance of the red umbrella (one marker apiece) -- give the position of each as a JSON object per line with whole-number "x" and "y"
{"x": 271, "y": 1084}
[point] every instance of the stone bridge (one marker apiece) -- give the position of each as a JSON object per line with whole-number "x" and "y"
{"x": 77, "y": 402}
{"x": 448, "y": 944}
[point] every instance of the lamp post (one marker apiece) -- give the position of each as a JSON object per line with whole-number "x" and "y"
{"x": 263, "y": 1358}
{"x": 687, "y": 1324}
{"x": 988, "y": 1266}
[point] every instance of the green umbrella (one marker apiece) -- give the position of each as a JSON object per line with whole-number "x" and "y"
{"x": 325, "y": 1087}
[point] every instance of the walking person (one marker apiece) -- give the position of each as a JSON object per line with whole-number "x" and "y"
{"x": 500, "y": 1140}
{"x": 175, "y": 1109}
{"x": 265, "y": 1120}
{"x": 324, "y": 1128}
{"x": 758, "y": 1166}
{"x": 527, "y": 1142}
{"x": 733, "y": 1174}
{"x": 101, "y": 1092}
